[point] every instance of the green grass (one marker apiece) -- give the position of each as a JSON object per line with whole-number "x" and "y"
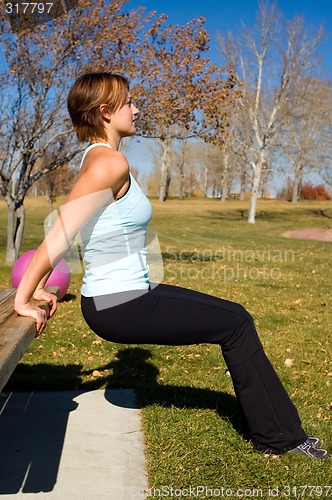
{"x": 192, "y": 427}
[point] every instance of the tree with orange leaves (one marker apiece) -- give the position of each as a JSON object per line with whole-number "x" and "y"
{"x": 41, "y": 62}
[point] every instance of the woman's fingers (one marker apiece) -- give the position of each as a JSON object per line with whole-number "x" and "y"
{"x": 35, "y": 312}
{"x": 50, "y": 298}
{"x": 52, "y": 303}
{"x": 41, "y": 321}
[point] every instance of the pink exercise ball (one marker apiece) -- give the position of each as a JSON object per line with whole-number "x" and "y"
{"x": 60, "y": 275}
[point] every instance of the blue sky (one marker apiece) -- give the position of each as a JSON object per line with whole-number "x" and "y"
{"x": 227, "y": 15}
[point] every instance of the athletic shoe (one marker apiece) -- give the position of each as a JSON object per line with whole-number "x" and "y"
{"x": 315, "y": 442}
{"x": 308, "y": 449}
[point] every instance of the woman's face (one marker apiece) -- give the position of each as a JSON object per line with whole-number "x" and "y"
{"x": 123, "y": 120}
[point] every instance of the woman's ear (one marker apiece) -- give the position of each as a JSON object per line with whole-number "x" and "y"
{"x": 103, "y": 108}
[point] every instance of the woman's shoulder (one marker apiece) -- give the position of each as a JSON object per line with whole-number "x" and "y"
{"x": 103, "y": 168}
{"x": 101, "y": 156}
{"x": 106, "y": 165}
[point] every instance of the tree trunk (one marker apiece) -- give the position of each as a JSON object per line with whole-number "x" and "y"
{"x": 11, "y": 254}
{"x": 243, "y": 182}
{"x": 182, "y": 179}
{"x": 295, "y": 191}
{"x": 205, "y": 181}
{"x": 296, "y": 184}
{"x": 252, "y": 207}
{"x": 182, "y": 171}
{"x": 264, "y": 181}
{"x": 162, "y": 190}
{"x": 165, "y": 175}
{"x": 15, "y": 229}
{"x": 168, "y": 181}
{"x": 254, "y": 192}
{"x": 223, "y": 185}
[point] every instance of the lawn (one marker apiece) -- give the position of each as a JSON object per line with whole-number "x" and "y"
{"x": 192, "y": 428}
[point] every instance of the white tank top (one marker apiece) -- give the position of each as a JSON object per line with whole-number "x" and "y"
{"x": 114, "y": 243}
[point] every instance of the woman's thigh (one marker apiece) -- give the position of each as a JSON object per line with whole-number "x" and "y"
{"x": 172, "y": 315}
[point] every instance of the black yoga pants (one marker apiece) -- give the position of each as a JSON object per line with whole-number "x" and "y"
{"x": 171, "y": 315}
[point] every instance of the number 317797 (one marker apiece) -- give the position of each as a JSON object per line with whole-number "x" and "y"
{"x": 28, "y": 8}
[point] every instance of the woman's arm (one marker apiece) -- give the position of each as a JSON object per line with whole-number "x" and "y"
{"x": 38, "y": 268}
{"x": 103, "y": 176}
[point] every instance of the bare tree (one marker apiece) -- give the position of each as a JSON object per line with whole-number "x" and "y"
{"x": 192, "y": 167}
{"x": 304, "y": 140}
{"x": 270, "y": 59}
{"x": 219, "y": 169}
{"x": 239, "y": 146}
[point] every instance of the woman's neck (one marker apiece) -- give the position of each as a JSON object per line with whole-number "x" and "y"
{"x": 110, "y": 141}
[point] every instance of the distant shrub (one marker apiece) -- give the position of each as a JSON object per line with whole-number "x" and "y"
{"x": 308, "y": 192}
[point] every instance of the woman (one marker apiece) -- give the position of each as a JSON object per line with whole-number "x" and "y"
{"x": 118, "y": 302}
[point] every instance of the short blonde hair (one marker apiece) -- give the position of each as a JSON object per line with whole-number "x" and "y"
{"x": 85, "y": 97}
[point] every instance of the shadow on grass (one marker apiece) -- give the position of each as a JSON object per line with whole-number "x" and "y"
{"x": 68, "y": 297}
{"x": 132, "y": 369}
{"x": 34, "y": 417}
{"x": 237, "y": 213}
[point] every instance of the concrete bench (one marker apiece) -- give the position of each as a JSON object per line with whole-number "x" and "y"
{"x": 16, "y": 333}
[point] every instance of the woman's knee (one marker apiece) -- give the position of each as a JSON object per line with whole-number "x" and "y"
{"x": 242, "y": 312}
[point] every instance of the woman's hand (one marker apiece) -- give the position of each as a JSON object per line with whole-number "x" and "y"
{"x": 37, "y": 313}
{"x": 50, "y": 298}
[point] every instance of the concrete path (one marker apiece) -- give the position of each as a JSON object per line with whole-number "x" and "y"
{"x": 315, "y": 233}
{"x": 71, "y": 445}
